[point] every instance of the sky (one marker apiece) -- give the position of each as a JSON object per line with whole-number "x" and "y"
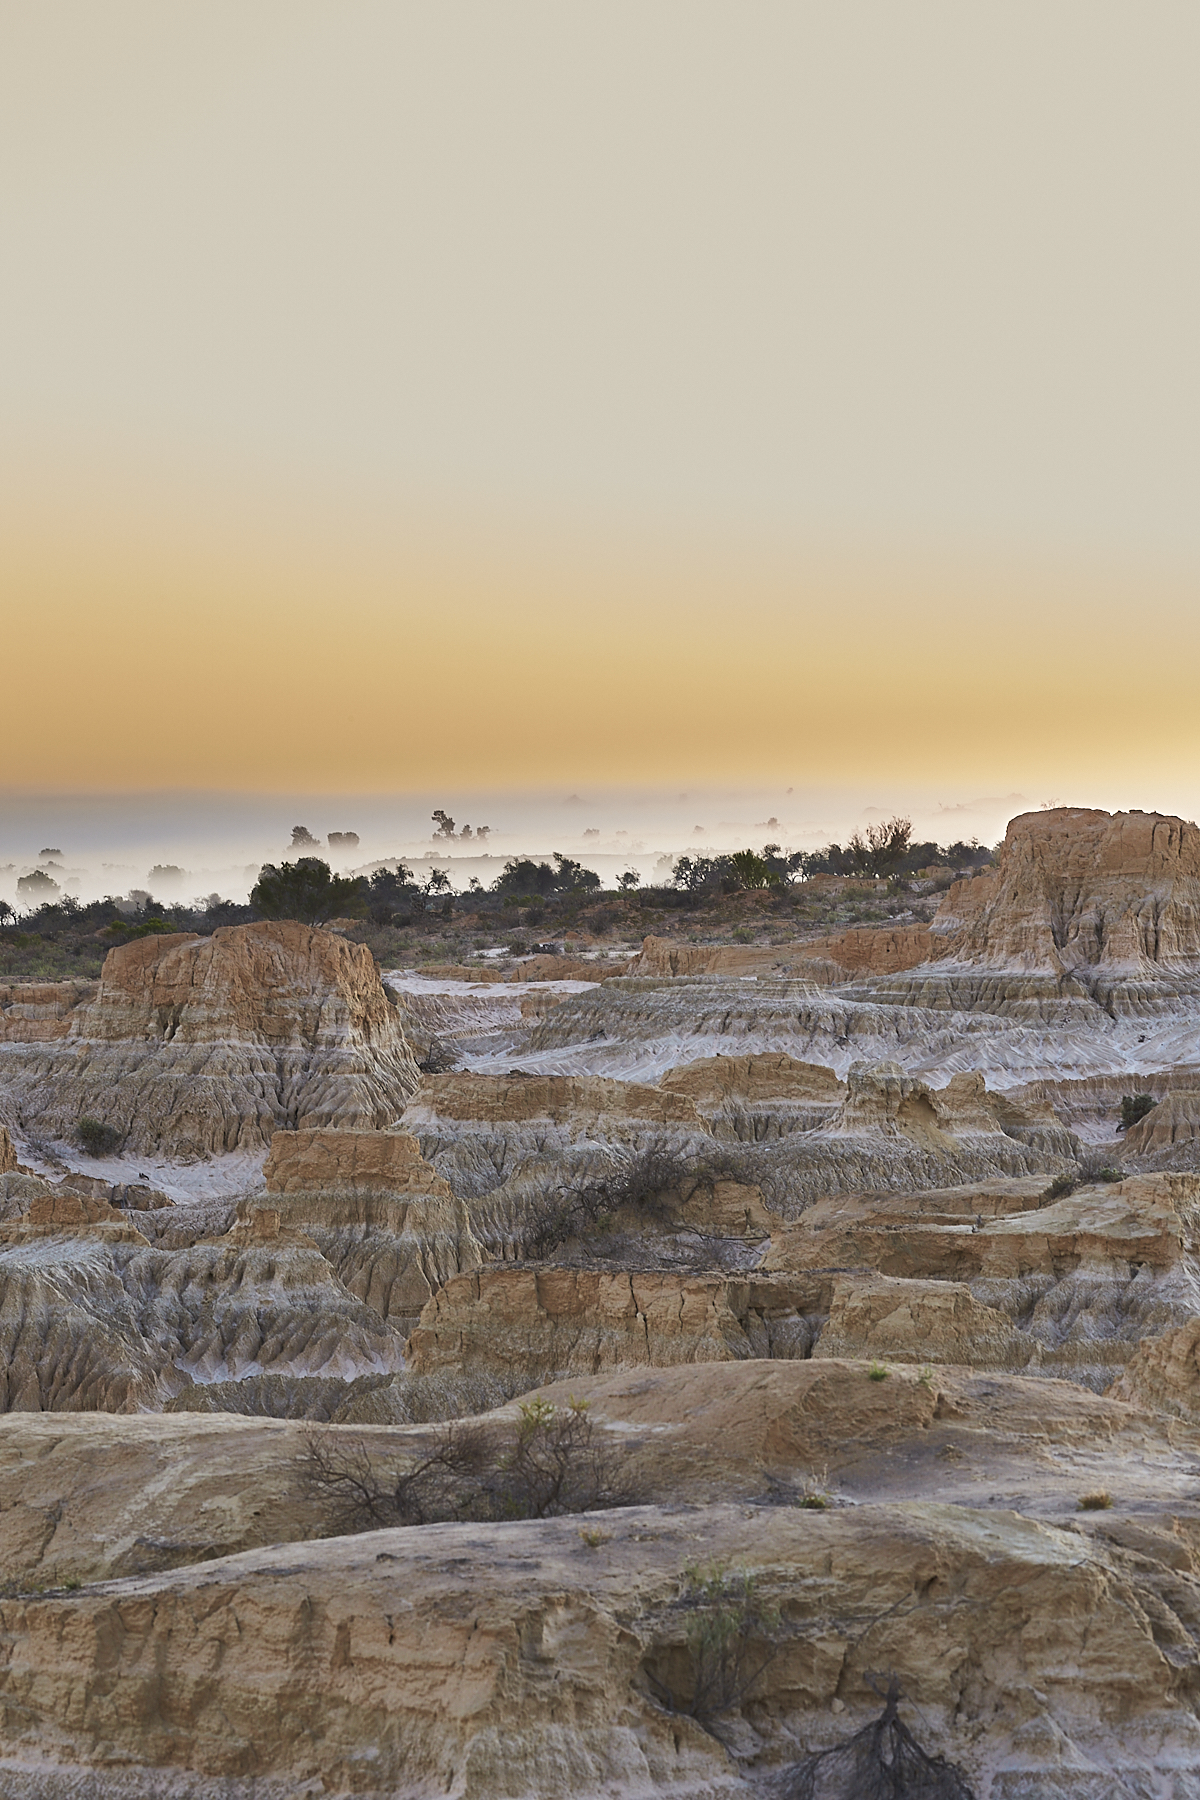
{"x": 646, "y": 398}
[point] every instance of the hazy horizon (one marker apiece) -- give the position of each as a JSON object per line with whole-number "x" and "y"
{"x": 109, "y": 845}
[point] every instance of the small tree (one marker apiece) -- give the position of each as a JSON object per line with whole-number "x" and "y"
{"x": 390, "y": 892}
{"x": 305, "y": 890}
{"x": 303, "y": 839}
{"x": 629, "y": 880}
{"x": 752, "y": 871}
{"x": 444, "y": 823}
{"x": 37, "y": 885}
{"x": 1135, "y": 1107}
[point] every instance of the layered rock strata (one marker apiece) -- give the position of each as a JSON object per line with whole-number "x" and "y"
{"x": 93, "y": 1318}
{"x": 578, "y": 1321}
{"x": 1069, "y": 1287}
{"x": 384, "y": 1220}
{"x": 38, "y": 1012}
{"x": 509, "y": 1144}
{"x": 1033, "y": 1660}
{"x": 194, "y": 1045}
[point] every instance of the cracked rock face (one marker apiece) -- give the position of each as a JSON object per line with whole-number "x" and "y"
{"x": 1080, "y": 889}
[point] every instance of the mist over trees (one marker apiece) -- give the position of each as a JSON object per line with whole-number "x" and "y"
{"x": 308, "y": 891}
{"x": 522, "y": 875}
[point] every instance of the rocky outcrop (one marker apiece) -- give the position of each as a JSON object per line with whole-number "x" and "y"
{"x": 886, "y": 1318}
{"x": 383, "y": 1219}
{"x": 320, "y": 1161}
{"x": 89, "y": 1496}
{"x": 1163, "y": 1374}
{"x": 1174, "y": 1120}
{"x": 38, "y": 1012}
{"x": 781, "y": 1130}
{"x": 178, "y": 1620}
{"x": 755, "y": 1097}
{"x": 1069, "y": 1287}
{"x": 893, "y": 1131}
{"x": 194, "y": 1045}
{"x": 861, "y": 950}
{"x": 549, "y": 1321}
{"x": 8, "y": 1153}
{"x": 1035, "y": 1660}
{"x": 580, "y": 1106}
{"x": 662, "y": 957}
{"x": 873, "y": 949}
{"x": 517, "y": 1140}
{"x": 93, "y": 1318}
{"x": 568, "y": 968}
{"x": 1082, "y": 889}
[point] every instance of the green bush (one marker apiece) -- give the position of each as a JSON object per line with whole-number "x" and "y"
{"x": 1135, "y": 1107}
{"x": 97, "y": 1138}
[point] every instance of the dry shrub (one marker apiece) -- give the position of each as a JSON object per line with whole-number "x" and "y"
{"x": 635, "y": 1179}
{"x": 548, "y": 1461}
{"x": 883, "y": 1761}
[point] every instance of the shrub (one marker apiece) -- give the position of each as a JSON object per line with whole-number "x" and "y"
{"x": 877, "y": 1372}
{"x": 97, "y": 1138}
{"x": 1135, "y": 1107}
{"x": 635, "y": 1178}
{"x": 1060, "y": 1187}
{"x": 1100, "y": 1501}
{"x": 730, "y": 1635}
{"x": 1097, "y": 1168}
{"x": 552, "y": 1461}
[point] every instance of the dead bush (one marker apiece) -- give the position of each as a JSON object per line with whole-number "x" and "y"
{"x": 636, "y": 1179}
{"x": 883, "y": 1761}
{"x": 547, "y": 1462}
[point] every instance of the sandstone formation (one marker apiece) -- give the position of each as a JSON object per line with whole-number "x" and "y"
{"x": 798, "y": 1133}
{"x": 312, "y": 1161}
{"x": 568, "y": 968}
{"x": 385, "y": 1222}
{"x": 37, "y": 1012}
{"x": 828, "y": 1242}
{"x": 447, "y": 1014}
{"x": 893, "y": 1131}
{"x": 194, "y": 1046}
{"x": 856, "y": 951}
{"x": 1069, "y": 1286}
{"x": 514, "y": 1141}
{"x": 1047, "y": 1665}
{"x": 1174, "y": 1120}
{"x": 1163, "y": 1374}
{"x": 548, "y": 1321}
{"x": 1080, "y": 890}
{"x": 92, "y": 1317}
{"x": 755, "y": 1097}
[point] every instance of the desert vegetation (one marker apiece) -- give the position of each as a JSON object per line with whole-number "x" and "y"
{"x": 548, "y": 1461}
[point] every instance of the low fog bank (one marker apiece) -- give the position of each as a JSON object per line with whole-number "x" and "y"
{"x": 189, "y": 848}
